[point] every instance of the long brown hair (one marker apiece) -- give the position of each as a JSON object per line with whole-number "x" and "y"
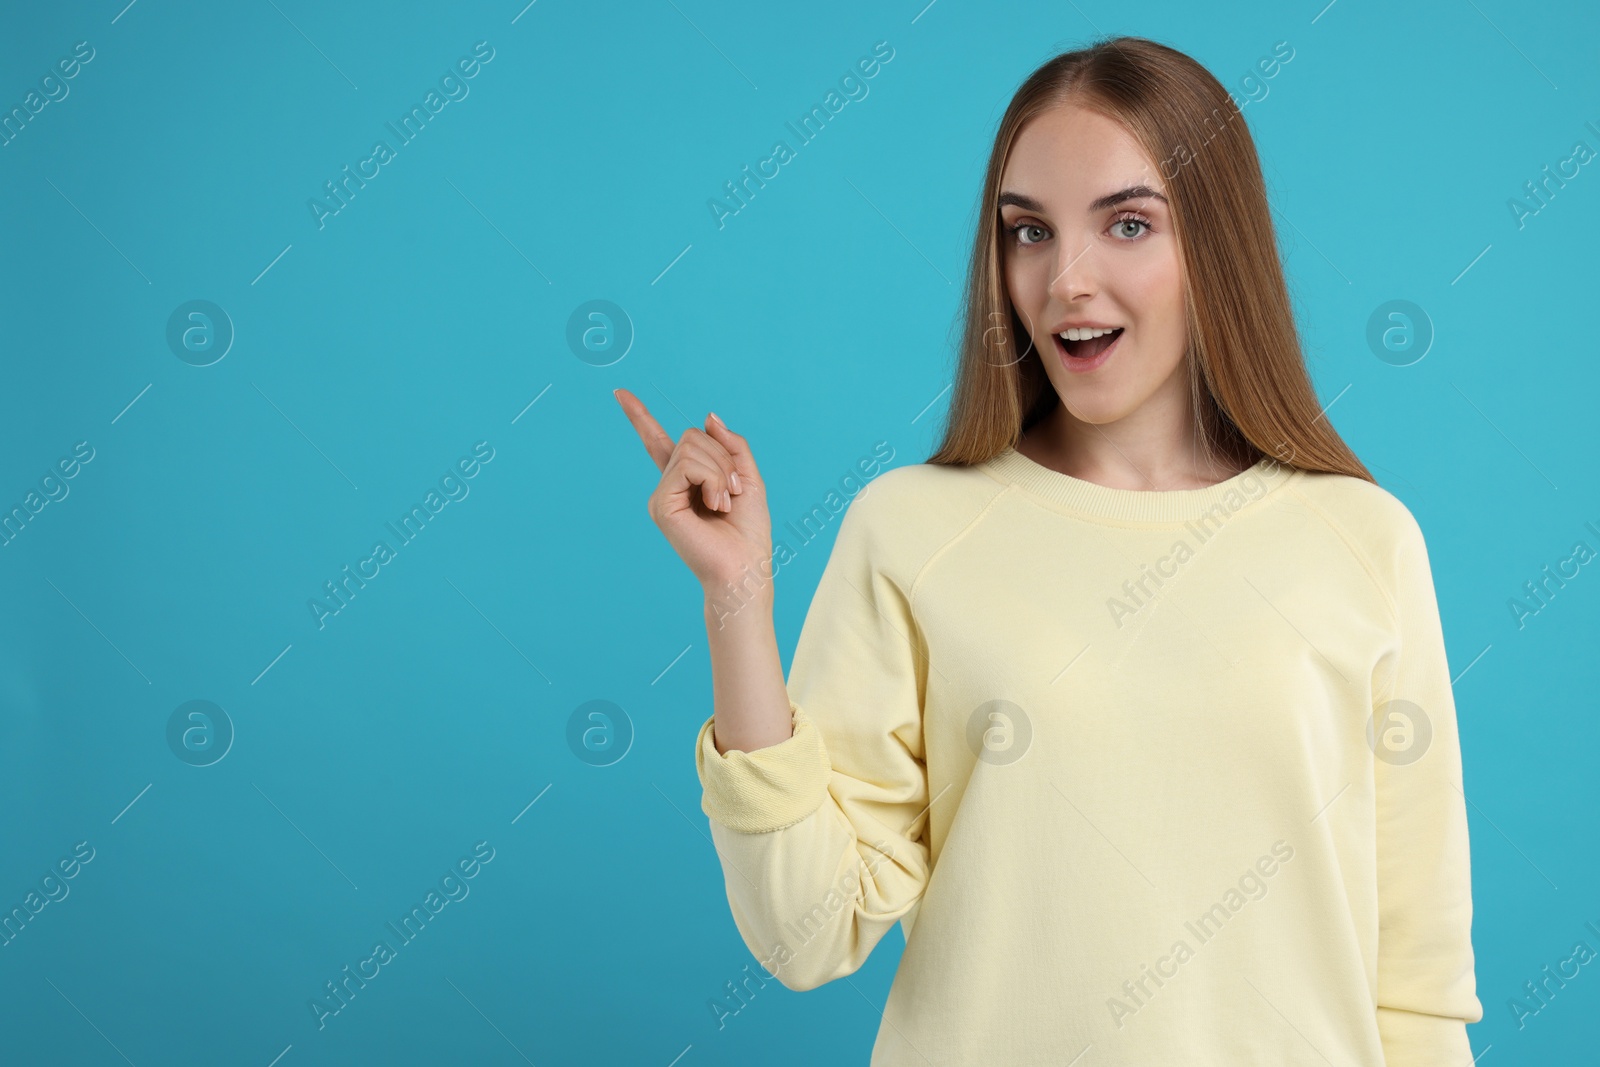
{"x": 1248, "y": 381}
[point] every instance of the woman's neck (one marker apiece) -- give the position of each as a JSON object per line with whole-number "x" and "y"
{"x": 1093, "y": 454}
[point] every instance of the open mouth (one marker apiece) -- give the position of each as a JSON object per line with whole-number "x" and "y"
{"x": 1089, "y": 348}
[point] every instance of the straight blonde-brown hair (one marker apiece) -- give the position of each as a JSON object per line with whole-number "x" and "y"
{"x": 1251, "y": 393}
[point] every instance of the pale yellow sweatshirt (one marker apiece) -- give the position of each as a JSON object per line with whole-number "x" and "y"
{"x": 1147, "y": 778}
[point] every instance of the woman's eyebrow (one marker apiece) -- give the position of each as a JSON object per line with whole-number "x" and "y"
{"x": 1026, "y": 203}
{"x": 1132, "y": 192}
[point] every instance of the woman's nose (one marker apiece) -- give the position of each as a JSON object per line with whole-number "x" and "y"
{"x": 1075, "y": 273}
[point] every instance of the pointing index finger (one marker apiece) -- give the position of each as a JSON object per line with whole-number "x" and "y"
{"x": 655, "y": 439}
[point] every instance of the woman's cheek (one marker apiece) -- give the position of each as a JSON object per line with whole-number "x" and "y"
{"x": 1155, "y": 288}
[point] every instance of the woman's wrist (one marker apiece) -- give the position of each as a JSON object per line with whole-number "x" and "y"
{"x": 741, "y": 596}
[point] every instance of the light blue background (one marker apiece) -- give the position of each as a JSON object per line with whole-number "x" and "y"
{"x": 432, "y": 311}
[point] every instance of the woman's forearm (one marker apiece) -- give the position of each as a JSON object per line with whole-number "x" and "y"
{"x": 749, "y": 698}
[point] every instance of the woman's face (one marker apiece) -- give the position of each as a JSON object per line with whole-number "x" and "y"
{"x": 1087, "y": 239}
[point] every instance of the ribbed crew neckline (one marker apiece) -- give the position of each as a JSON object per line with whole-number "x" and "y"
{"x": 1137, "y": 505}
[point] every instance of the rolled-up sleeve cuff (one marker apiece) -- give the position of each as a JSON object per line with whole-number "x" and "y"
{"x": 1416, "y": 1039}
{"x": 766, "y": 789}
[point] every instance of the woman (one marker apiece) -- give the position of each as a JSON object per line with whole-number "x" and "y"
{"x": 1131, "y": 704}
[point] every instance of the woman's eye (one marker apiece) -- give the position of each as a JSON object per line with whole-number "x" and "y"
{"x": 1027, "y": 227}
{"x": 1131, "y": 222}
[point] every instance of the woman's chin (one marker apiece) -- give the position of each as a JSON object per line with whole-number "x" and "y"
{"x": 1100, "y": 403}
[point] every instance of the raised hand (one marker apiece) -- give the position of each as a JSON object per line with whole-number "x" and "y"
{"x": 710, "y": 503}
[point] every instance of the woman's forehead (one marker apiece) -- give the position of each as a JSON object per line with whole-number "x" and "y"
{"x": 1070, "y": 157}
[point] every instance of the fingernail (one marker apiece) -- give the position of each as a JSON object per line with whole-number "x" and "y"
{"x": 733, "y": 480}
{"x": 727, "y": 502}
{"x": 718, "y": 421}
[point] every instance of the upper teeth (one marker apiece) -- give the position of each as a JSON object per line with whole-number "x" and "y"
{"x": 1083, "y": 335}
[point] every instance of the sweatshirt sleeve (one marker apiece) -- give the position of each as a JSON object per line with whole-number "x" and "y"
{"x": 1426, "y": 989}
{"x": 821, "y": 836}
